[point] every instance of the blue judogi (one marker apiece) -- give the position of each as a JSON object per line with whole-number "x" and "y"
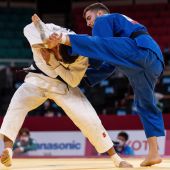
{"x": 96, "y": 73}
{"x": 140, "y": 59}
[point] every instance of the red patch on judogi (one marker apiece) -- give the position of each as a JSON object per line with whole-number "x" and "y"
{"x": 104, "y": 134}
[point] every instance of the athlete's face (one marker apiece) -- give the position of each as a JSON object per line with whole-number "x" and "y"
{"x": 24, "y": 138}
{"x": 122, "y": 140}
{"x": 91, "y": 15}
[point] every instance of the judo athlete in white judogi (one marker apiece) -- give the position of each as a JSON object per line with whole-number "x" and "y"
{"x": 58, "y": 81}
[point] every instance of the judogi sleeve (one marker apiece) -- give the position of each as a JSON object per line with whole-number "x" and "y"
{"x": 97, "y": 46}
{"x": 96, "y": 75}
{"x": 74, "y": 73}
{"x": 32, "y": 35}
{"x": 103, "y": 28}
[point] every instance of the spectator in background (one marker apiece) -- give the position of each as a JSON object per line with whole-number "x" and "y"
{"x": 9, "y": 76}
{"x": 166, "y": 53}
{"x": 47, "y": 109}
{"x": 47, "y": 105}
{"x": 49, "y": 113}
{"x": 51, "y": 109}
{"x": 121, "y": 107}
{"x": 121, "y": 144}
{"x": 24, "y": 142}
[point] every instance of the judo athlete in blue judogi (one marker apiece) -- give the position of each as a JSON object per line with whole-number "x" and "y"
{"x": 124, "y": 43}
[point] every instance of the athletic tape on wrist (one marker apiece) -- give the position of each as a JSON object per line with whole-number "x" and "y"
{"x": 63, "y": 39}
{"x": 10, "y": 151}
{"x": 117, "y": 159}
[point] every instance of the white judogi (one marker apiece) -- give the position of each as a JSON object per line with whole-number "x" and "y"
{"x": 37, "y": 88}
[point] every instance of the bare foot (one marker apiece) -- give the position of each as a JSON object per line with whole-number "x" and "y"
{"x": 151, "y": 161}
{"x": 6, "y": 158}
{"x": 124, "y": 164}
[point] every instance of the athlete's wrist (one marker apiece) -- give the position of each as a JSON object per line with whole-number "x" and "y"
{"x": 63, "y": 39}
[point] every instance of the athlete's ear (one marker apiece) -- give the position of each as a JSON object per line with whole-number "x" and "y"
{"x": 100, "y": 13}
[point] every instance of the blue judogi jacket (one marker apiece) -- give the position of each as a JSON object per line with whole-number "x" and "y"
{"x": 113, "y": 25}
{"x": 117, "y": 25}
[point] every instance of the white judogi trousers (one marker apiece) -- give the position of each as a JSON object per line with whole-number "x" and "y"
{"x": 73, "y": 102}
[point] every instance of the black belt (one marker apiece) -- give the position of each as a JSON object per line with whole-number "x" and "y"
{"x": 138, "y": 33}
{"x": 37, "y": 70}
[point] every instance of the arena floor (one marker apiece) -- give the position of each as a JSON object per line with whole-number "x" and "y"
{"x": 79, "y": 164}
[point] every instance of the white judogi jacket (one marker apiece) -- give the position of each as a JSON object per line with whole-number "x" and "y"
{"x": 38, "y": 88}
{"x": 70, "y": 73}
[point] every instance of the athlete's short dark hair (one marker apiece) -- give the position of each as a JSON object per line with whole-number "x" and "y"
{"x": 96, "y": 7}
{"x": 24, "y": 131}
{"x": 65, "y": 54}
{"x": 124, "y": 135}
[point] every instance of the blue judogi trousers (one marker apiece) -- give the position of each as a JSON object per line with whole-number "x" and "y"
{"x": 141, "y": 65}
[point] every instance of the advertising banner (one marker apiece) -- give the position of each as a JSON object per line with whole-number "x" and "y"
{"x": 138, "y": 142}
{"x": 58, "y": 143}
{"x": 73, "y": 143}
